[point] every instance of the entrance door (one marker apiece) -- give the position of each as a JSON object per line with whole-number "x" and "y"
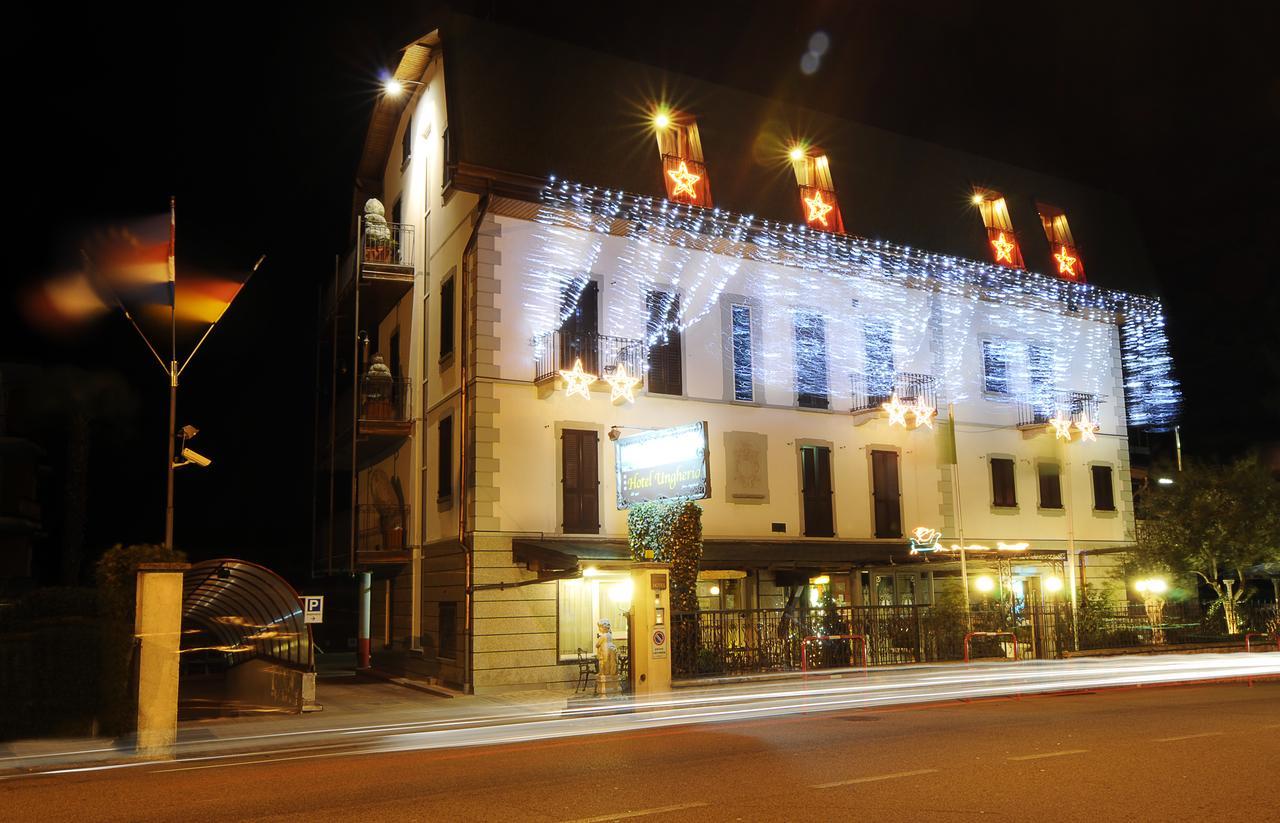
{"x": 887, "y": 492}
{"x": 816, "y": 472}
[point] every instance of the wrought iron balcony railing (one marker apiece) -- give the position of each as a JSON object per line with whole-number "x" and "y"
{"x": 871, "y": 390}
{"x": 1045, "y": 404}
{"x": 600, "y": 354}
{"x": 384, "y": 399}
{"x": 387, "y": 244}
{"x": 381, "y": 528}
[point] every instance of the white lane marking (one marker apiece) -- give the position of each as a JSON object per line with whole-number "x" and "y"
{"x": 874, "y": 778}
{"x": 1186, "y": 737}
{"x": 639, "y": 813}
{"x": 1062, "y": 753}
{"x": 255, "y": 762}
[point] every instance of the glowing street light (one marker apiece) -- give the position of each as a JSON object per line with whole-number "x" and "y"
{"x": 1053, "y": 584}
{"x": 984, "y": 584}
{"x": 1165, "y": 481}
{"x": 392, "y": 87}
{"x": 661, "y": 120}
{"x": 1154, "y": 586}
{"x": 796, "y": 153}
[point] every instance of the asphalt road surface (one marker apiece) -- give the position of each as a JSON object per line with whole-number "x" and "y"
{"x": 1189, "y": 752}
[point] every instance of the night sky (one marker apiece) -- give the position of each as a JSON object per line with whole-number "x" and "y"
{"x": 253, "y": 118}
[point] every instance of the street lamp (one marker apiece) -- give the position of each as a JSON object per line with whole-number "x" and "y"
{"x": 1053, "y": 584}
{"x": 984, "y": 584}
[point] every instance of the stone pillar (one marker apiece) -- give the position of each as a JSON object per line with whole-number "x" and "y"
{"x": 158, "y": 628}
{"x": 651, "y": 624}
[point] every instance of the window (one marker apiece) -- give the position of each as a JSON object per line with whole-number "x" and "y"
{"x": 406, "y": 143}
{"x": 1041, "y": 376}
{"x": 1003, "y": 493}
{"x": 995, "y": 367}
{"x": 811, "y": 361}
{"x": 444, "y": 459}
{"x": 879, "y": 368}
{"x": 449, "y": 629}
{"x": 578, "y": 340}
{"x": 393, "y": 362}
{"x": 1065, "y": 256}
{"x": 584, "y": 602}
{"x": 1001, "y": 238}
{"x": 446, "y": 318}
{"x": 662, "y": 335}
{"x": 743, "y": 376}
{"x": 886, "y": 491}
{"x": 1050, "y": 486}
{"x": 815, "y": 467}
{"x": 447, "y": 158}
{"x": 1104, "y": 498}
{"x": 580, "y": 481}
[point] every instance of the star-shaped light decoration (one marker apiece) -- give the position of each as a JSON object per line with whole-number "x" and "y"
{"x": 923, "y": 413}
{"x": 1061, "y": 426}
{"x": 897, "y": 411}
{"x": 684, "y": 180}
{"x": 1087, "y": 428}
{"x": 1003, "y": 248}
{"x": 577, "y": 381}
{"x": 1066, "y": 263}
{"x": 621, "y": 384}
{"x": 818, "y": 208}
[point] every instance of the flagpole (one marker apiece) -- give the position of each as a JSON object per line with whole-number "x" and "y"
{"x": 173, "y": 378}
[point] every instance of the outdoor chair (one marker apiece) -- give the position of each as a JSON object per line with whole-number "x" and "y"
{"x": 587, "y": 667}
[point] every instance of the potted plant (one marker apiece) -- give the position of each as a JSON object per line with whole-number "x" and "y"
{"x": 377, "y": 234}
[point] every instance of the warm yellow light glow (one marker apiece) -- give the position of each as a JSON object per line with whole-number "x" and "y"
{"x": 820, "y": 580}
{"x": 1153, "y": 585}
{"x": 978, "y": 199}
{"x": 661, "y": 120}
{"x": 923, "y": 413}
{"x": 622, "y": 385}
{"x": 1086, "y": 427}
{"x": 924, "y": 534}
{"x": 897, "y": 411}
{"x": 1053, "y": 584}
{"x": 715, "y": 591}
{"x": 684, "y": 180}
{"x": 796, "y": 153}
{"x": 1061, "y": 426}
{"x": 1003, "y": 248}
{"x": 818, "y": 208}
{"x": 984, "y": 583}
{"x": 577, "y": 381}
{"x": 392, "y": 87}
{"x": 1066, "y": 263}
{"x": 590, "y": 571}
{"x": 1012, "y": 547}
{"x": 621, "y": 592}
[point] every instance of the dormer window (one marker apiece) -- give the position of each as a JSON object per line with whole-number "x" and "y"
{"x": 684, "y": 172}
{"x": 1001, "y": 239}
{"x": 817, "y": 191}
{"x": 1066, "y": 257}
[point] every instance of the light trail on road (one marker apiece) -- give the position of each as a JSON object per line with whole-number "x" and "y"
{"x": 549, "y": 720}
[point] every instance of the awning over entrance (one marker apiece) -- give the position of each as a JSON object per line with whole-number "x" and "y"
{"x": 245, "y": 610}
{"x": 559, "y": 555}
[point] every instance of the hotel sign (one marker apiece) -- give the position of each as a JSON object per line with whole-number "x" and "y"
{"x": 662, "y": 464}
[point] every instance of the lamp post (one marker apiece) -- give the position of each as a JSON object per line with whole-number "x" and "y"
{"x": 1153, "y": 590}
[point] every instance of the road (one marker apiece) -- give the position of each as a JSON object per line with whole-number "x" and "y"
{"x": 1190, "y": 751}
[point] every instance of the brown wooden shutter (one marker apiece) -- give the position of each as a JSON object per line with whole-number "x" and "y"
{"x": 815, "y": 464}
{"x": 580, "y": 485}
{"x": 887, "y": 492}
{"x": 1003, "y": 492}
{"x": 1104, "y": 498}
{"x": 1050, "y": 486}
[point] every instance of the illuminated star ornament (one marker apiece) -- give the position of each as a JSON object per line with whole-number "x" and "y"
{"x": 923, "y": 413}
{"x": 577, "y": 381}
{"x": 622, "y": 385}
{"x": 897, "y": 411}
{"x": 1061, "y": 426}
{"x": 1003, "y": 248}
{"x": 1066, "y": 263}
{"x": 684, "y": 180}
{"x": 1087, "y": 428}
{"x": 818, "y": 208}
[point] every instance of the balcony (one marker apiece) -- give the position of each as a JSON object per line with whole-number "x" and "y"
{"x": 871, "y": 391}
{"x": 601, "y": 355}
{"x": 686, "y": 180}
{"x": 386, "y": 270}
{"x": 382, "y": 534}
{"x": 1036, "y": 413}
{"x": 384, "y": 417}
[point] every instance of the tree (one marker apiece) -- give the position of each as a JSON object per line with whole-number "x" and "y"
{"x": 1213, "y": 522}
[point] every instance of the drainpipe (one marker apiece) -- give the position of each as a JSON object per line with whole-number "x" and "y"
{"x": 362, "y": 641}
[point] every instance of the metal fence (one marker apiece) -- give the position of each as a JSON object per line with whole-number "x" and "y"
{"x": 870, "y": 390}
{"x": 723, "y": 642}
{"x": 381, "y": 527}
{"x": 600, "y": 354}
{"x": 1073, "y": 404}
{"x": 385, "y": 399}
{"x": 388, "y": 244}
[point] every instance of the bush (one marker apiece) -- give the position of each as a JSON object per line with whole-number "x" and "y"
{"x": 670, "y": 531}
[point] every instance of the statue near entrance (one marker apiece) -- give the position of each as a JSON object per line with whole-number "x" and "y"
{"x": 607, "y": 683}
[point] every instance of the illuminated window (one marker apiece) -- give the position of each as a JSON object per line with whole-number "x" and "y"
{"x": 818, "y": 202}
{"x": 995, "y": 367}
{"x": 583, "y": 602}
{"x": 1065, "y": 257}
{"x": 811, "y": 360}
{"x": 1002, "y": 241}
{"x": 684, "y": 172}
{"x": 743, "y": 376}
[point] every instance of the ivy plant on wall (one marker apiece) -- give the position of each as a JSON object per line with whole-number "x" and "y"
{"x": 670, "y": 531}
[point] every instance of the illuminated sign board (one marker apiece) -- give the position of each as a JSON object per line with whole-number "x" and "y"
{"x": 661, "y": 464}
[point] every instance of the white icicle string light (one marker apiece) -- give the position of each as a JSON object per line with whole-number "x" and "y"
{"x": 696, "y": 252}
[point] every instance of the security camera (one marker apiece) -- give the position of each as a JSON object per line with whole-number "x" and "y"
{"x": 192, "y": 456}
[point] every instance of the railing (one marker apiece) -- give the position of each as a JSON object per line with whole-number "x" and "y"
{"x": 1074, "y": 404}
{"x": 381, "y": 528}
{"x": 387, "y": 244}
{"x": 701, "y": 186}
{"x": 385, "y": 399}
{"x": 600, "y": 355}
{"x": 870, "y": 390}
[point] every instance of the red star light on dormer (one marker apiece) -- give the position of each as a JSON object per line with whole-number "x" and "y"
{"x": 684, "y": 180}
{"x": 818, "y": 208}
{"x": 1066, "y": 263}
{"x": 1003, "y": 249}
